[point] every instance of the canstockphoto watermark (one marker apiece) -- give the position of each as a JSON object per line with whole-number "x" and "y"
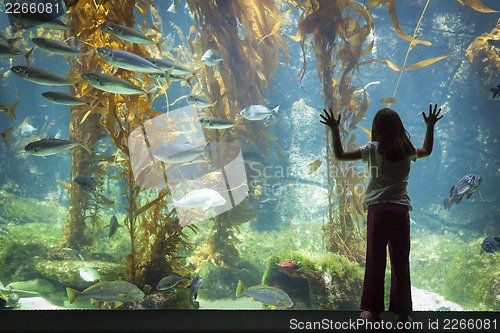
{"x": 358, "y": 324}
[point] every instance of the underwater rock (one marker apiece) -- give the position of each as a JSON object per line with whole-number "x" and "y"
{"x": 66, "y": 272}
{"x": 173, "y": 299}
{"x": 323, "y": 281}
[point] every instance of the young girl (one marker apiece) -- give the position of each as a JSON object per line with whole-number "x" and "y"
{"x": 388, "y": 221}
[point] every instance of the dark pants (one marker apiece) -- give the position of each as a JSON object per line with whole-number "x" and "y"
{"x": 387, "y": 224}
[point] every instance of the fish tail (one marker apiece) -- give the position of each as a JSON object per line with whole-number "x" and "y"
{"x": 86, "y": 147}
{"x": 159, "y": 45}
{"x": 72, "y": 294}
{"x": 5, "y": 135}
{"x": 10, "y": 110}
{"x": 275, "y": 111}
{"x": 27, "y": 56}
{"x": 239, "y": 288}
{"x": 447, "y": 203}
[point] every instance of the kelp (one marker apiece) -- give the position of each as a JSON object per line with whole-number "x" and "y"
{"x": 155, "y": 233}
{"x": 338, "y": 37}
{"x": 484, "y": 57}
{"x": 238, "y": 81}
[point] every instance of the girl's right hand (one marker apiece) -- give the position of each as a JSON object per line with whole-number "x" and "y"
{"x": 329, "y": 119}
{"x": 432, "y": 118}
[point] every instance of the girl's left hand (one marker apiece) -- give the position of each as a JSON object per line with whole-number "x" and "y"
{"x": 329, "y": 119}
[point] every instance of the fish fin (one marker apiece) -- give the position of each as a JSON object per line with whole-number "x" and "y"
{"x": 457, "y": 201}
{"x": 159, "y": 45}
{"x": 122, "y": 295}
{"x": 275, "y": 111}
{"x": 5, "y": 135}
{"x": 188, "y": 80}
{"x": 27, "y": 56}
{"x": 451, "y": 191}
{"x": 479, "y": 194}
{"x": 117, "y": 304}
{"x": 86, "y": 147}
{"x": 447, "y": 203}
{"x": 253, "y": 300}
{"x": 10, "y": 110}
{"x": 240, "y": 288}
{"x": 272, "y": 307}
{"x": 72, "y": 294}
{"x": 469, "y": 195}
{"x": 94, "y": 301}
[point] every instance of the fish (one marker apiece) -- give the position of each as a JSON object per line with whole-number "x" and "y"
{"x": 6, "y": 52}
{"x": 242, "y": 31}
{"x": 211, "y": 57}
{"x": 113, "y": 226}
{"x": 20, "y": 293}
{"x": 36, "y": 285}
{"x": 495, "y": 91}
{"x": 42, "y": 19}
{"x": 171, "y": 78}
{"x": 127, "y": 60}
{"x": 202, "y": 198}
{"x": 63, "y": 98}
{"x": 125, "y": 33}
{"x": 194, "y": 287}
{"x": 254, "y": 160}
{"x": 465, "y": 187}
{"x": 9, "y": 110}
{"x": 5, "y": 135}
{"x": 494, "y": 41}
{"x": 107, "y": 291}
{"x": 46, "y": 147}
{"x": 56, "y": 47}
{"x": 179, "y": 152}
{"x": 171, "y": 281}
{"x": 148, "y": 304}
{"x": 27, "y": 130}
{"x": 259, "y": 112}
{"x": 173, "y": 7}
{"x": 490, "y": 245}
{"x": 266, "y": 295}
{"x": 89, "y": 274}
{"x": 167, "y": 65}
{"x": 86, "y": 182}
{"x": 198, "y": 101}
{"x": 214, "y": 123}
{"x": 112, "y": 84}
{"x": 40, "y": 76}
{"x": 313, "y": 166}
{"x": 12, "y": 299}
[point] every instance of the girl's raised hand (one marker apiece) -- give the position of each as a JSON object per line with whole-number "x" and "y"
{"x": 432, "y": 118}
{"x": 329, "y": 119}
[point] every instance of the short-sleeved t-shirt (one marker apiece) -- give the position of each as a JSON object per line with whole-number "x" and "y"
{"x": 388, "y": 179}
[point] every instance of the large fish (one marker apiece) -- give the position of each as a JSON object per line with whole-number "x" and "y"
{"x": 265, "y": 294}
{"x": 179, "y": 152}
{"x": 259, "y": 112}
{"x": 167, "y": 65}
{"x": 40, "y": 76}
{"x": 125, "y": 33}
{"x": 62, "y": 98}
{"x": 108, "y": 291}
{"x": 127, "y": 60}
{"x": 112, "y": 84}
{"x": 211, "y": 57}
{"x": 171, "y": 281}
{"x": 465, "y": 187}
{"x": 50, "y": 146}
{"x": 214, "y": 123}
{"x": 57, "y": 47}
{"x": 203, "y": 198}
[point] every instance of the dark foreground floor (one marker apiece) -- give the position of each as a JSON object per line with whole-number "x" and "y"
{"x": 231, "y": 321}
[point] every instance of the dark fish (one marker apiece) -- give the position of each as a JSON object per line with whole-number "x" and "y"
{"x": 62, "y": 98}
{"x": 193, "y": 291}
{"x": 494, "y": 41}
{"x": 86, "y": 182}
{"x": 50, "y": 146}
{"x": 41, "y": 19}
{"x": 171, "y": 281}
{"x": 465, "y": 187}
{"x": 113, "y": 226}
{"x": 148, "y": 304}
{"x": 495, "y": 91}
{"x": 490, "y": 245}
{"x": 6, "y": 52}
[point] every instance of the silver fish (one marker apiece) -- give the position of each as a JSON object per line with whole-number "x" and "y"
{"x": 465, "y": 187}
{"x": 194, "y": 287}
{"x": 27, "y": 130}
{"x": 167, "y": 65}
{"x": 41, "y": 19}
{"x": 89, "y": 274}
{"x": 108, "y": 291}
{"x": 47, "y": 147}
{"x": 265, "y": 294}
{"x": 40, "y": 76}
{"x": 127, "y": 60}
{"x": 173, "y": 7}
{"x": 214, "y": 123}
{"x": 125, "y": 33}
{"x": 198, "y": 101}
{"x": 171, "y": 281}
{"x": 203, "y": 198}
{"x": 179, "y": 152}
{"x": 57, "y": 47}
{"x": 62, "y": 98}
{"x": 211, "y": 57}
{"x": 112, "y": 84}
{"x": 6, "y": 52}
{"x": 259, "y": 112}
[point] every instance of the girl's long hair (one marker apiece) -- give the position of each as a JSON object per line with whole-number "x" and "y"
{"x": 393, "y": 140}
